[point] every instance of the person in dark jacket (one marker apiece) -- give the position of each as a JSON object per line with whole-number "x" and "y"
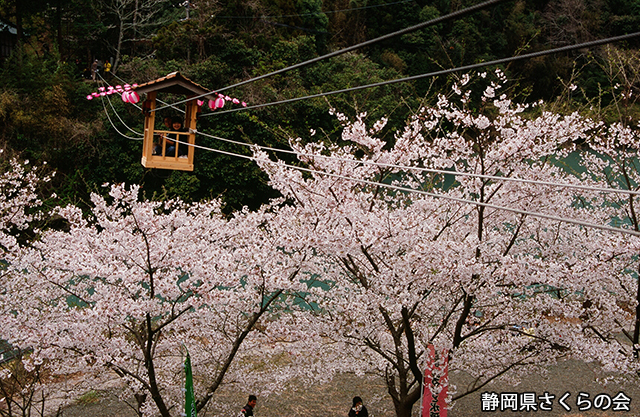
{"x": 175, "y": 139}
{"x": 358, "y": 409}
{"x": 247, "y": 410}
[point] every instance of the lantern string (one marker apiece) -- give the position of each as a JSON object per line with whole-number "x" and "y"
{"x": 121, "y": 80}
{"x": 218, "y": 103}
{"x": 160, "y": 101}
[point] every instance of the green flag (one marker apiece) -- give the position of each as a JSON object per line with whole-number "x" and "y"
{"x": 189, "y": 398}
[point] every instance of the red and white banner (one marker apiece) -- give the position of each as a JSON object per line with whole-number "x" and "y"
{"x": 436, "y": 381}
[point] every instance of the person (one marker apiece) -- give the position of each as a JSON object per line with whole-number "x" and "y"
{"x": 175, "y": 124}
{"x": 94, "y": 69}
{"x": 168, "y": 123}
{"x": 247, "y": 410}
{"x": 358, "y": 409}
{"x": 172, "y": 138}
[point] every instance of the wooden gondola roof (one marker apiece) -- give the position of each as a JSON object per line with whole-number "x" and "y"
{"x": 174, "y": 83}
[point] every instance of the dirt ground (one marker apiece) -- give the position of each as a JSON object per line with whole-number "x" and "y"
{"x": 333, "y": 399}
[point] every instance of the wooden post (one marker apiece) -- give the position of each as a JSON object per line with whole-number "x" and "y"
{"x": 190, "y": 122}
{"x": 149, "y": 129}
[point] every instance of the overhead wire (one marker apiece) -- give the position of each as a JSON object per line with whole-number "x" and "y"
{"x": 139, "y": 134}
{"x": 430, "y": 194}
{"x": 410, "y": 168}
{"x": 431, "y": 170}
{"x": 441, "y": 19}
{"x": 457, "y": 14}
{"x": 438, "y": 73}
{"x": 106, "y": 112}
{"x": 464, "y": 68}
{"x": 446, "y": 172}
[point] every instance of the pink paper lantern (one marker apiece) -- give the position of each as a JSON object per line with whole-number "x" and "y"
{"x": 133, "y": 97}
{"x": 199, "y": 103}
{"x": 127, "y": 87}
{"x": 101, "y": 88}
{"x": 125, "y": 96}
{"x": 235, "y": 101}
{"x": 89, "y": 97}
{"x": 219, "y": 103}
{"x": 212, "y": 104}
{"x": 244, "y": 104}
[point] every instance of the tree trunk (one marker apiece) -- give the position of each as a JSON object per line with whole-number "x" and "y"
{"x": 19, "y": 13}
{"x": 148, "y": 362}
{"x": 118, "y": 48}
{"x": 636, "y": 328}
{"x": 402, "y": 408}
{"x": 59, "y": 26}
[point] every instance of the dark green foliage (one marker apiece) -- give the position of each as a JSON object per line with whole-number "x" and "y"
{"x": 44, "y": 115}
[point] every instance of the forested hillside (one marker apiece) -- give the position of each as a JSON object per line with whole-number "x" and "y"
{"x": 45, "y": 117}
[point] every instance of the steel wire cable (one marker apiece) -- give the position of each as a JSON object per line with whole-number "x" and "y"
{"x": 430, "y": 194}
{"x": 438, "y": 73}
{"x": 106, "y": 112}
{"x": 465, "y": 68}
{"x": 431, "y": 170}
{"x": 454, "y": 15}
{"x": 410, "y": 168}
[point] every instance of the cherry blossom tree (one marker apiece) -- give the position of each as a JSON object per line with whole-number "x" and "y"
{"x": 505, "y": 276}
{"x": 124, "y": 289}
{"x": 614, "y": 163}
{"x": 455, "y": 236}
{"x": 18, "y": 202}
{"x": 20, "y": 385}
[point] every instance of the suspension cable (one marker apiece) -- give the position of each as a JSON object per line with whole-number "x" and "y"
{"x": 431, "y": 170}
{"x": 430, "y": 194}
{"x": 450, "y": 16}
{"x": 106, "y": 112}
{"x": 403, "y": 167}
{"x": 438, "y": 73}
